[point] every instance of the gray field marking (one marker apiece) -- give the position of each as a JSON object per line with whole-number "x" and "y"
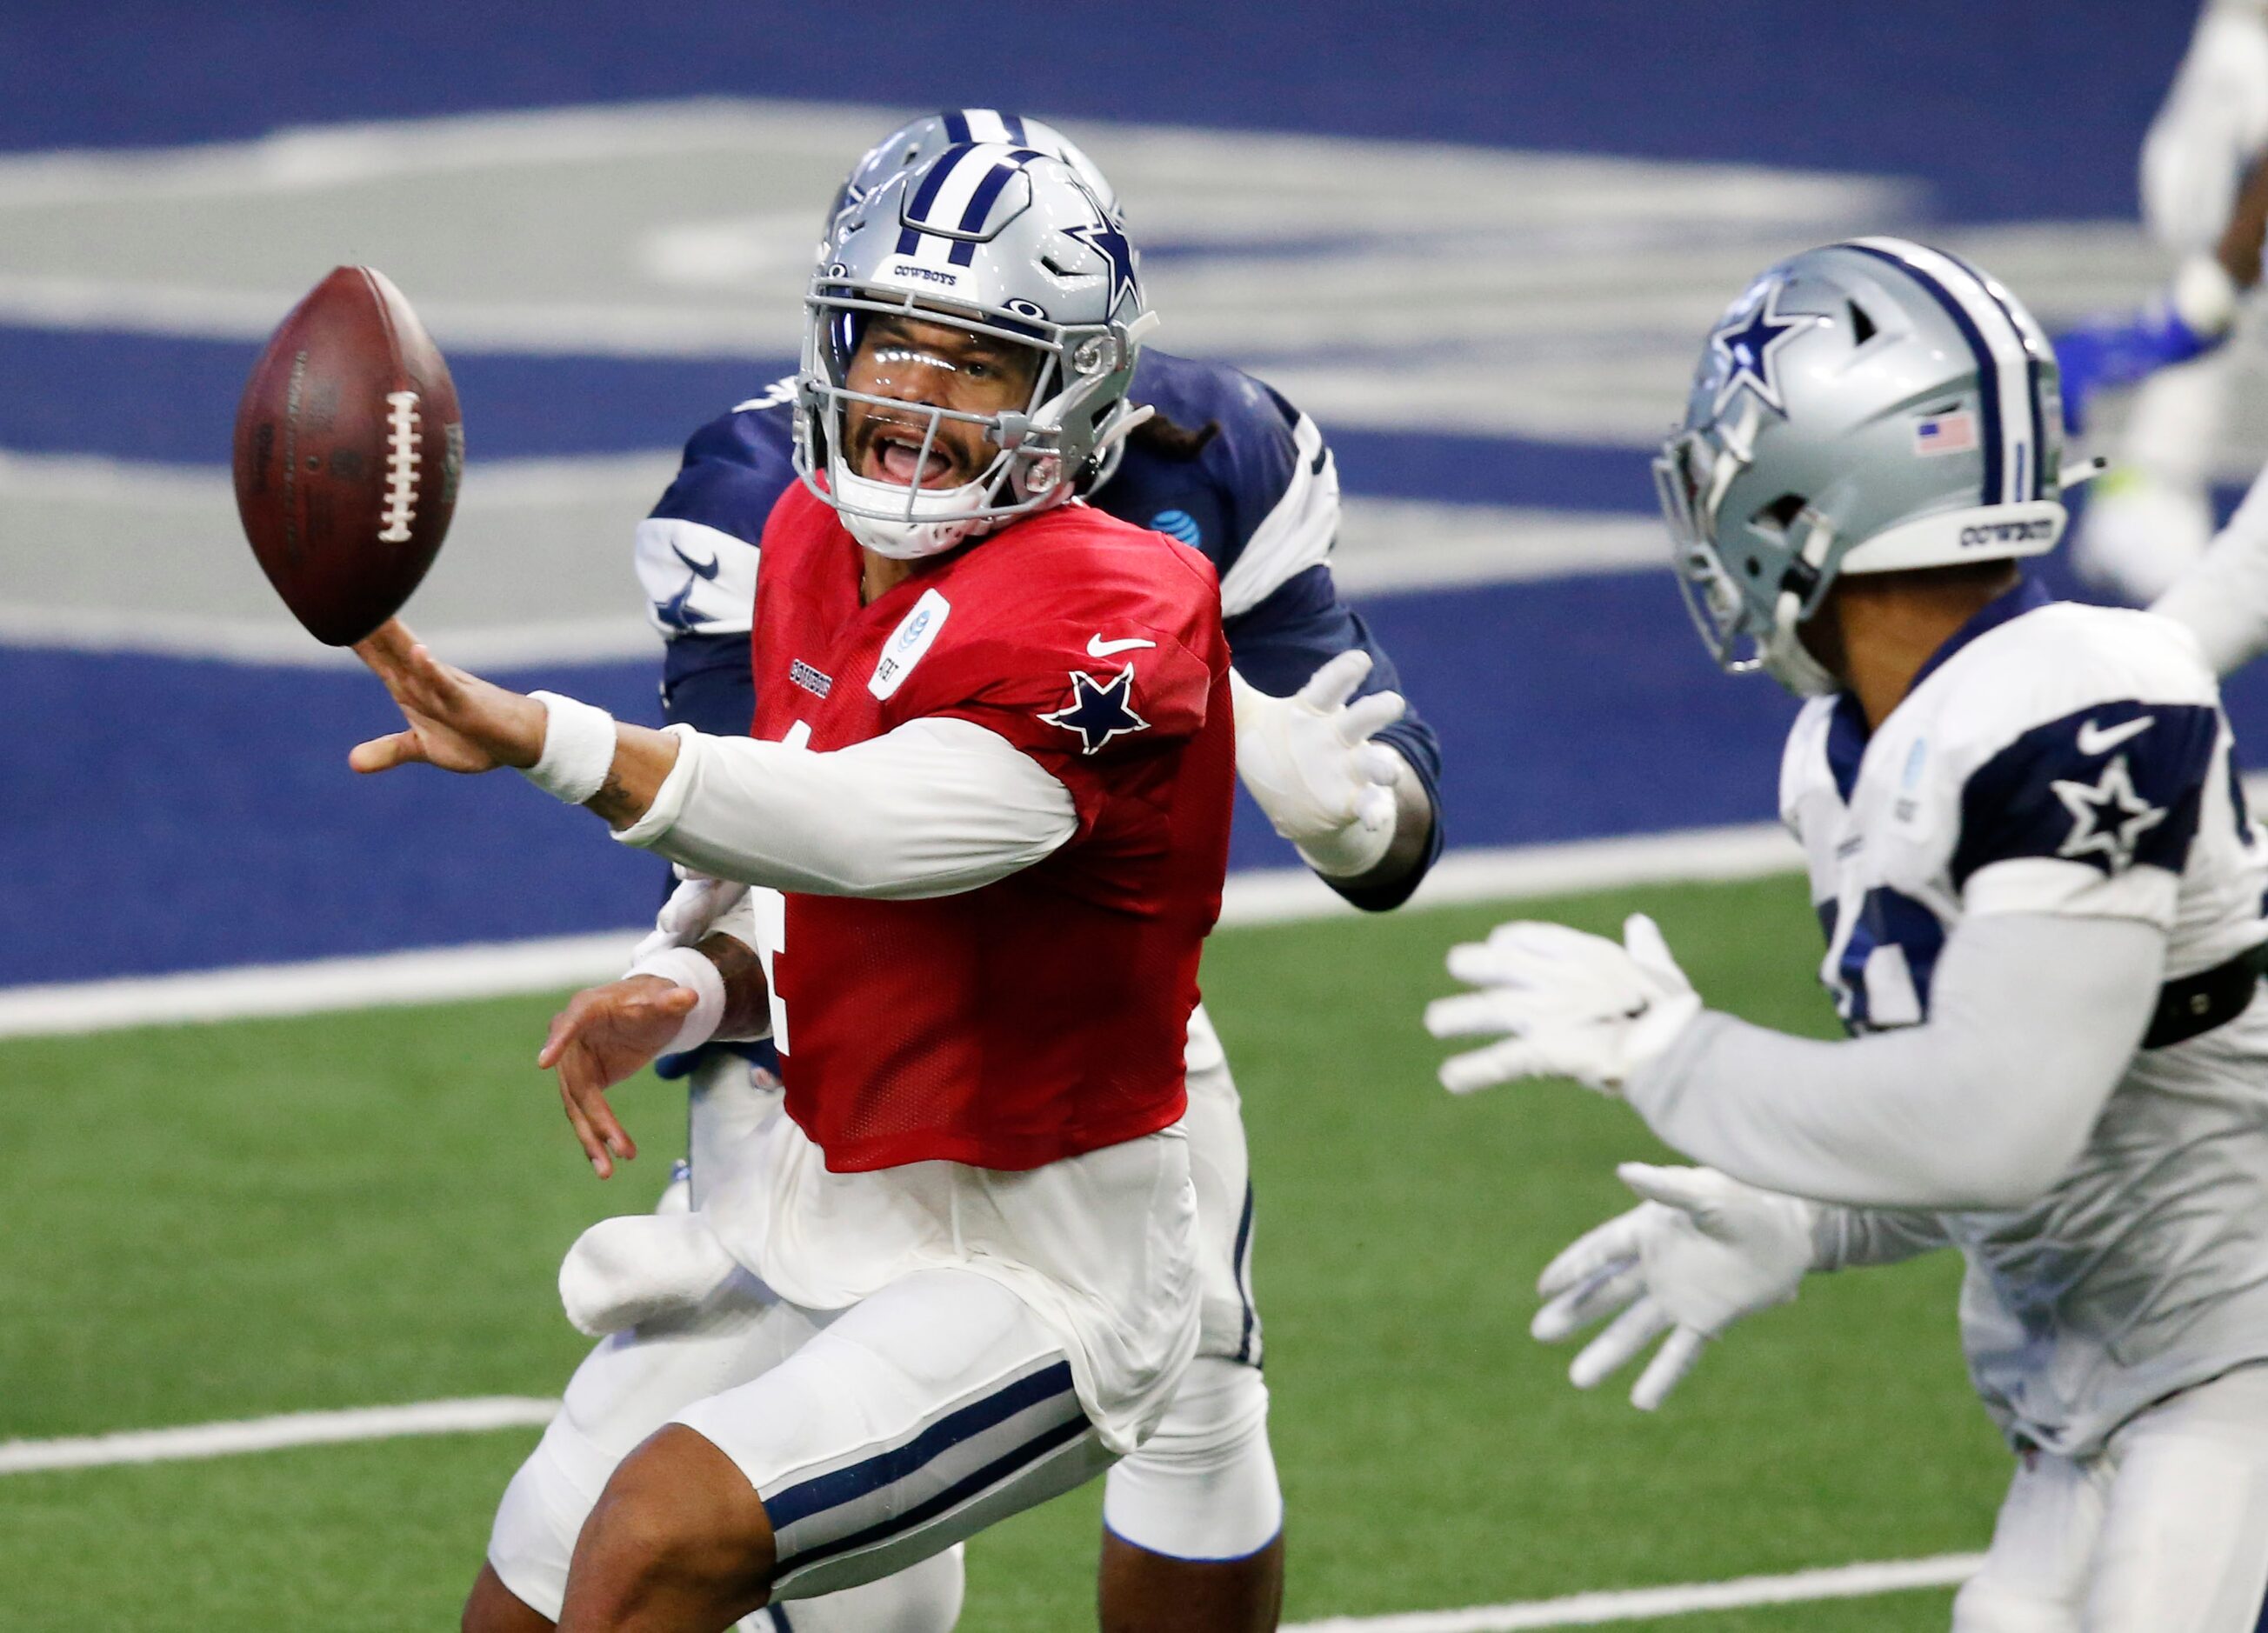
{"x": 537, "y": 569}
{"x": 443, "y": 975}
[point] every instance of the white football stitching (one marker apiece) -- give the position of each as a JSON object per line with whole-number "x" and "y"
{"x": 402, "y": 459}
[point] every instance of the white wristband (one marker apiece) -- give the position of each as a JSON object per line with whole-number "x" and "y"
{"x": 685, "y": 967}
{"x": 579, "y": 748}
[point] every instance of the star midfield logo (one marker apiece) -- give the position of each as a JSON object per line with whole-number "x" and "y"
{"x": 1099, "y": 710}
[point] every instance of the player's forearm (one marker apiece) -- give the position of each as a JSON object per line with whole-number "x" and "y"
{"x": 747, "y": 996}
{"x": 932, "y": 808}
{"x": 1846, "y": 1239}
{"x": 2223, "y": 599}
{"x": 2033, "y": 1021}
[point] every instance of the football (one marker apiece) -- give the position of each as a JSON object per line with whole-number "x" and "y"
{"x": 348, "y": 447}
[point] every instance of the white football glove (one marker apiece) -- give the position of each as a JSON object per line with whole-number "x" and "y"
{"x": 2212, "y": 127}
{"x": 693, "y": 908}
{"x": 1309, "y": 762}
{"x": 1577, "y": 1006}
{"x": 640, "y": 1267}
{"x": 1701, "y": 1252}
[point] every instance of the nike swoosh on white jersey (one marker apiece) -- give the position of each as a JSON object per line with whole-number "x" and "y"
{"x": 2095, "y": 739}
{"x": 1097, "y": 647}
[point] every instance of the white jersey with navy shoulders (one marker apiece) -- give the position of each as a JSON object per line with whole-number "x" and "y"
{"x": 2062, "y": 759}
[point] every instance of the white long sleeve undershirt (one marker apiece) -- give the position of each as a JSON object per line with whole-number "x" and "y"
{"x": 2223, "y": 599}
{"x": 2033, "y": 1021}
{"x": 937, "y": 806}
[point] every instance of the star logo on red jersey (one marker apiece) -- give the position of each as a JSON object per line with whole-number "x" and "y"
{"x": 1099, "y": 710}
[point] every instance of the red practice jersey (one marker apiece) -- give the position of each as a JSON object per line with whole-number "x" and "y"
{"x": 1043, "y": 1015}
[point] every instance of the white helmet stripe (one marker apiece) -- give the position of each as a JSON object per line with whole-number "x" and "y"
{"x": 945, "y": 209}
{"x": 2037, "y": 349}
{"x": 2004, "y": 364}
{"x": 985, "y": 125}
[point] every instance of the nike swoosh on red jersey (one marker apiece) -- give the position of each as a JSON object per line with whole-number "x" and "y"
{"x": 1097, "y": 647}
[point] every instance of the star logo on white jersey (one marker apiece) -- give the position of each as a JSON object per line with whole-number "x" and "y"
{"x": 2106, "y": 819}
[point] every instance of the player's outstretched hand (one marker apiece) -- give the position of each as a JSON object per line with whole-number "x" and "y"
{"x": 456, "y": 721}
{"x": 603, "y": 1035}
{"x": 1308, "y": 758}
{"x": 1698, "y": 1253}
{"x": 1576, "y": 1005}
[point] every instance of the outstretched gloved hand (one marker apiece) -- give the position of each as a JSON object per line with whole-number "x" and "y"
{"x": 1698, "y": 1253}
{"x": 1577, "y": 1006}
{"x": 1309, "y": 761}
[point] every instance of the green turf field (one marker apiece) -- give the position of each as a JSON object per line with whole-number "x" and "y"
{"x": 228, "y": 1221}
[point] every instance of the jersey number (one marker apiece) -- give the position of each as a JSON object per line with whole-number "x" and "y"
{"x": 1881, "y": 977}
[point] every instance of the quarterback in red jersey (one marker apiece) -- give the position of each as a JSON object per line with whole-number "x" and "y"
{"x": 989, "y": 793}
{"x": 1033, "y": 1018}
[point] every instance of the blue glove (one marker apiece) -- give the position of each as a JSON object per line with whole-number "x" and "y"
{"x": 2114, "y": 351}
{"x": 2195, "y": 315}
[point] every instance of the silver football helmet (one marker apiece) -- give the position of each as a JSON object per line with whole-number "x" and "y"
{"x": 924, "y": 138}
{"x": 1870, "y": 407}
{"x": 1007, "y": 243}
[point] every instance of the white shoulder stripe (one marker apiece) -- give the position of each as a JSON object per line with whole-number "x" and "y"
{"x": 1294, "y": 536}
{"x": 697, "y": 579}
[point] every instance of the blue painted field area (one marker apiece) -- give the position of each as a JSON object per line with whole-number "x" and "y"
{"x": 204, "y": 815}
{"x": 166, "y": 812}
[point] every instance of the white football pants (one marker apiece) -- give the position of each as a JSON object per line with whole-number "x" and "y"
{"x": 2164, "y": 1531}
{"x": 1203, "y": 1487}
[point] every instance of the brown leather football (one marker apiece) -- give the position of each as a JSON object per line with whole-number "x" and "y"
{"x": 348, "y": 447}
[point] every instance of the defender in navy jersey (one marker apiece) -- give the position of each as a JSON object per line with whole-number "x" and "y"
{"x": 1194, "y": 1517}
{"x": 2042, "y": 895}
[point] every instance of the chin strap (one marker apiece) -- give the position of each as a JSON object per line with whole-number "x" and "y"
{"x": 1785, "y": 656}
{"x": 1121, "y": 429}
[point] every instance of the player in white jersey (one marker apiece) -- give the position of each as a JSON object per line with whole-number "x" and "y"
{"x": 2152, "y": 514}
{"x": 2042, "y": 895}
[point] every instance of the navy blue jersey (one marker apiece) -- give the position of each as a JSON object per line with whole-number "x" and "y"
{"x": 1260, "y": 499}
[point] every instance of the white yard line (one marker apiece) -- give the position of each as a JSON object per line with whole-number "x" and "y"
{"x": 484, "y": 1413}
{"x": 498, "y": 969}
{"x": 383, "y": 980}
{"x": 269, "y": 1434}
{"x": 1591, "y": 1610}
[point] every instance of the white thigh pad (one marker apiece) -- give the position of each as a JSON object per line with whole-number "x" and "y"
{"x": 624, "y": 1390}
{"x": 1203, "y": 1487}
{"x": 2184, "y": 1545}
{"x": 924, "y": 1598}
{"x": 921, "y": 1415}
{"x": 2035, "y": 1575}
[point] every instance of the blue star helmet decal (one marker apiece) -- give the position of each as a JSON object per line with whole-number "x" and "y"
{"x": 1747, "y": 340}
{"x": 1099, "y": 710}
{"x": 1103, "y": 235}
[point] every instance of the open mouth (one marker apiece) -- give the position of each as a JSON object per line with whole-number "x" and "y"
{"x": 894, "y": 454}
